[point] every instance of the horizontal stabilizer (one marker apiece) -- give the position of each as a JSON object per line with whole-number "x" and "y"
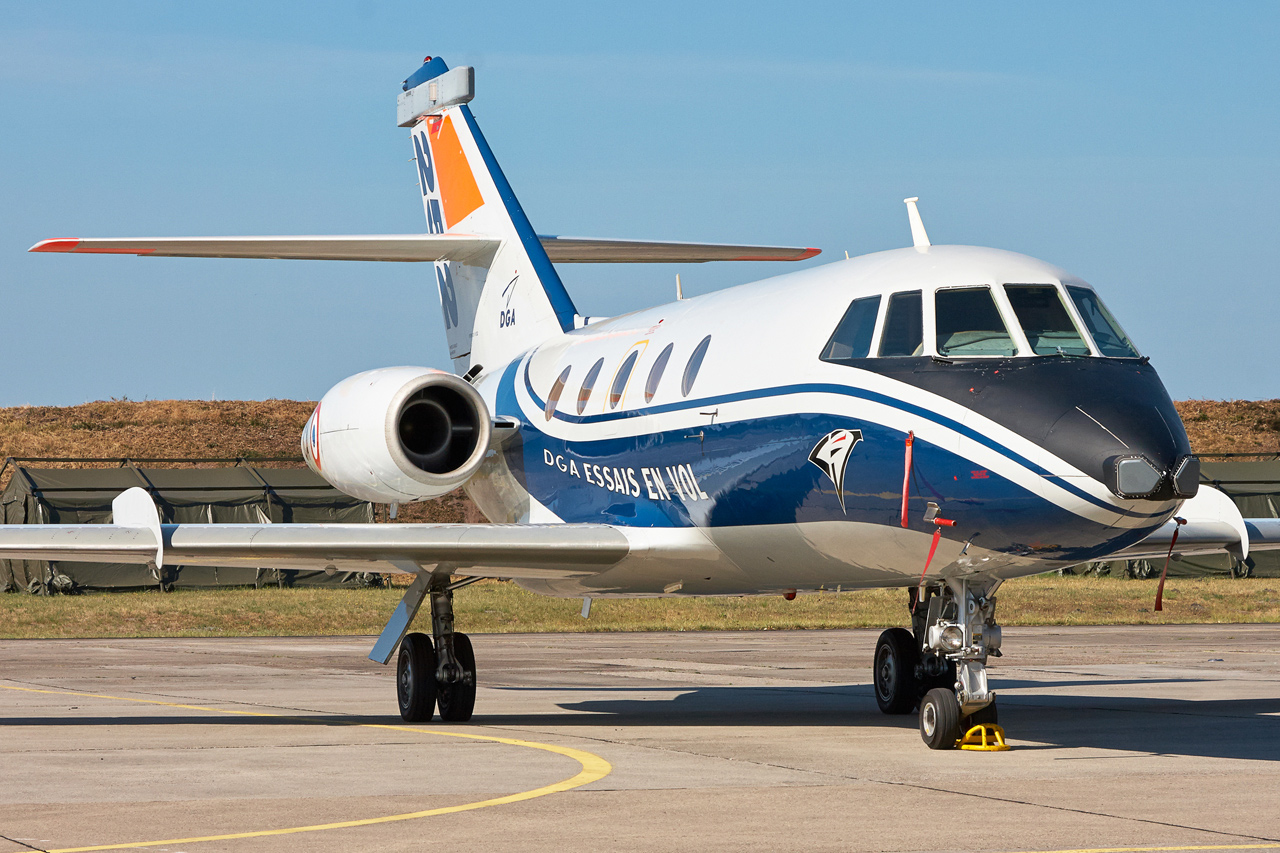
{"x": 586, "y": 250}
{"x": 464, "y": 248}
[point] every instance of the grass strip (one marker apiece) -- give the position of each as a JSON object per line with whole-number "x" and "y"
{"x": 501, "y": 607}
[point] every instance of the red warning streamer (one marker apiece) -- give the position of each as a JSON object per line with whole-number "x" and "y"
{"x": 906, "y": 487}
{"x": 1167, "y": 558}
{"x": 937, "y": 535}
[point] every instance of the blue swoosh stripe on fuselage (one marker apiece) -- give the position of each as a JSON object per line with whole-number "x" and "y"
{"x": 847, "y": 391}
{"x": 758, "y": 473}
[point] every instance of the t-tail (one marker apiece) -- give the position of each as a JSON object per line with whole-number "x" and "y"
{"x": 507, "y": 297}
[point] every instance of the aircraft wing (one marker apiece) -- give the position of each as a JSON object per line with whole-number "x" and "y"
{"x": 419, "y": 247}
{"x": 1212, "y": 525}
{"x": 472, "y": 550}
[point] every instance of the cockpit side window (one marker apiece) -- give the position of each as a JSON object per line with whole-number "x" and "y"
{"x": 852, "y": 337}
{"x": 1107, "y": 334}
{"x": 969, "y": 324}
{"x": 903, "y": 333}
{"x": 1044, "y": 318}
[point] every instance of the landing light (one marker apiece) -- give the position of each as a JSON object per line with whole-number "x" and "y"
{"x": 1136, "y": 477}
{"x": 1186, "y": 481}
{"x": 952, "y": 638}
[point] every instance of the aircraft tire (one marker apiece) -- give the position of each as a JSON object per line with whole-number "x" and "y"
{"x": 416, "y": 678}
{"x": 894, "y": 671}
{"x": 940, "y": 719}
{"x": 457, "y": 700}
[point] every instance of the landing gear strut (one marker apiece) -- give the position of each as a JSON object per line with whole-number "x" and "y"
{"x": 432, "y": 674}
{"x": 940, "y": 666}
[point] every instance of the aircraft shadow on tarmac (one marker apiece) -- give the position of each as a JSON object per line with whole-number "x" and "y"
{"x": 1216, "y": 728}
{"x": 1226, "y": 728}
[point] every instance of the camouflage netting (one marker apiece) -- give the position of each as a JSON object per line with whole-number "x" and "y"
{"x": 241, "y": 494}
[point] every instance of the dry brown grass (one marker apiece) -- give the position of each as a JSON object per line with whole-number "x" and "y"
{"x": 1232, "y": 426}
{"x": 502, "y": 607}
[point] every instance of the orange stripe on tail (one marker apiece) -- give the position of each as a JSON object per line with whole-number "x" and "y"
{"x": 459, "y": 194}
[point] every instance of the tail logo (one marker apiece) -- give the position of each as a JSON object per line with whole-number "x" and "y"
{"x": 507, "y": 316}
{"x": 831, "y": 455}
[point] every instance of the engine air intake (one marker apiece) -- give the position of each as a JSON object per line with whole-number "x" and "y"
{"x": 437, "y": 429}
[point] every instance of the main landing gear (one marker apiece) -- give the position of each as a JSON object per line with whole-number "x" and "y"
{"x": 940, "y": 666}
{"x": 440, "y": 674}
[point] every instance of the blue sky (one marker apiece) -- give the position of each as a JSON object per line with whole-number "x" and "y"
{"x": 1135, "y": 144}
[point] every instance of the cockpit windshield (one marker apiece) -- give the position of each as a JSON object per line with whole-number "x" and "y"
{"x": 1044, "y": 318}
{"x": 969, "y": 324}
{"x": 1107, "y": 334}
{"x": 976, "y": 321}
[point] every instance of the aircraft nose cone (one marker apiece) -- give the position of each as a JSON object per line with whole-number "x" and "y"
{"x": 1112, "y": 419}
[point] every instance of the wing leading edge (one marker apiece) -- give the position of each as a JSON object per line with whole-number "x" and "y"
{"x": 471, "y": 550}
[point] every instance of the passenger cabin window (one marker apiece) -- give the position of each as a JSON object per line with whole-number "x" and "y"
{"x": 1107, "y": 334}
{"x": 903, "y": 326}
{"x": 587, "y": 384}
{"x": 554, "y": 397}
{"x": 655, "y": 373}
{"x": 695, "y": 364}
{"x": 969, "y": 324}
{"x": 1045, "y": 320}
{"x": 620, "y": 379}
{"x": 852, "y": 337}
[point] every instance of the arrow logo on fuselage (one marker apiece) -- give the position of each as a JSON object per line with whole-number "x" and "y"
{"x": 831, "y": 455}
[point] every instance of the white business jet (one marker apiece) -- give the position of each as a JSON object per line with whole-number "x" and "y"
{"x": 938, "y": 418}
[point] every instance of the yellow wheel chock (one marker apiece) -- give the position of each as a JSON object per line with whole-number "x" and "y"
{"x": 983, "y": 738}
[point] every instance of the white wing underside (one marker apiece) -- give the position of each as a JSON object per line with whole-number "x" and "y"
{"x": 471, "y": 550}
{"x": 464, "y": 248}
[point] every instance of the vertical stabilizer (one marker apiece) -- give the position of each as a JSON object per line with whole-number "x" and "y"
{"x": 498, "y": 306}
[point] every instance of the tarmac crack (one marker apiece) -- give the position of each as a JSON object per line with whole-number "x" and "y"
{"x": 23, "y": 844}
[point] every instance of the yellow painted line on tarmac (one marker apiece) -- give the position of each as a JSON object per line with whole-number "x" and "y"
{"x": 594, "y": 768}
{"x": 1159, "y": 849}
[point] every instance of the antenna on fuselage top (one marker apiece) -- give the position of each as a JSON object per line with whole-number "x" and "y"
{"x": 918, "y": 235}
{"x": 679, "y": 289}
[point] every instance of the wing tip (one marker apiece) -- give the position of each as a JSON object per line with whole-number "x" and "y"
{"x": 73, "y": 246}
{"x": 57, "y": 244}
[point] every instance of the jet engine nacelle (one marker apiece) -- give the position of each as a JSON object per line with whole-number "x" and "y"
{"x": 398, "y": 434}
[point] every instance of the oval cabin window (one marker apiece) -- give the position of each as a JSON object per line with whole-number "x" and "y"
{"x": 655, "y": 373}
{"x": 620, "y": 380}
{"x": 587, "y": 384}
{"x": 554, "y": 397}
{"x": 694, "y": 365}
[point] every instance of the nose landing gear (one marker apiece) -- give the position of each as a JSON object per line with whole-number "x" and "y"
{"x": 940, "y": 666}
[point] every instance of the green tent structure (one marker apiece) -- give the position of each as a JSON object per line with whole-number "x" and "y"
{"x": 240, "y": 493}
